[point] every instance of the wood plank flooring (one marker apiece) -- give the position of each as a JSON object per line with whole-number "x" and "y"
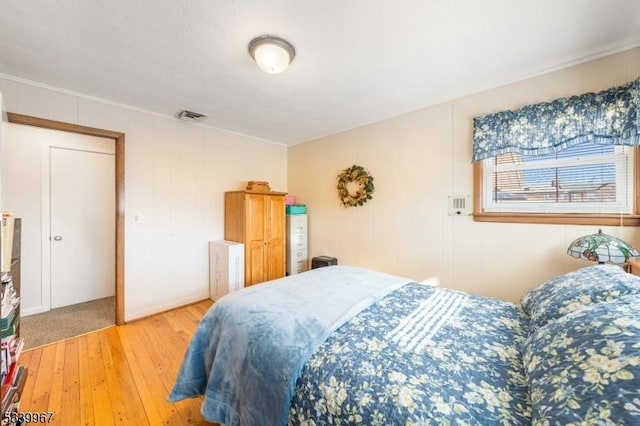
{"x": 119, "y": 375}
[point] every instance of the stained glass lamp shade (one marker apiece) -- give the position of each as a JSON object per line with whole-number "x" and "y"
{"x": 602, "y": 248}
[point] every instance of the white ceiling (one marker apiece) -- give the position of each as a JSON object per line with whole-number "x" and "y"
{"x": 357, "y": 61}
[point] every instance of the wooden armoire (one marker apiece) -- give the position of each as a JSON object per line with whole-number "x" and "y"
{"x": 257, "y": 219}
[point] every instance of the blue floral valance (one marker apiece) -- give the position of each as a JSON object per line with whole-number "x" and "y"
{"x": 608, "y": 117}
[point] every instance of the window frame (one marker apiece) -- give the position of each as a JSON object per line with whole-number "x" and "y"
{"x": 613, "y": 219}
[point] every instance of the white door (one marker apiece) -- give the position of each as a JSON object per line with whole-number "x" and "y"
{"x": 82, "y": 233}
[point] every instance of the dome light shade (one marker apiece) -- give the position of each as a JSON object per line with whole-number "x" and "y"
{"x": 272, "y": 54}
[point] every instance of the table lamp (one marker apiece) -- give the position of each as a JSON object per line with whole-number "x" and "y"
{"x": 602, "y": 248}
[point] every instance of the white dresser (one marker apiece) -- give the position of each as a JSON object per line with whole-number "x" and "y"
{"x": 297, "y": 254}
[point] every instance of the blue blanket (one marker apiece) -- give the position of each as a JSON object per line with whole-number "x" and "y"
{"x": 251, "y": 345}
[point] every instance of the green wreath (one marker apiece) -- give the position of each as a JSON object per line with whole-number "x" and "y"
{"x": 360, "y": 176}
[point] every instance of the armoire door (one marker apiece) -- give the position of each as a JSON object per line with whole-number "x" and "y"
{"x": 255, "y": 251}
{"x": 275, "y": 254}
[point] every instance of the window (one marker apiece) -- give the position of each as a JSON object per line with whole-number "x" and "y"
{"x": 573, "y": 160}
{"x": 587, "y": 184}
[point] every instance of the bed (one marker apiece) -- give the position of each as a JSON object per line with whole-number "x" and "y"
{"x": 346, "y": 345}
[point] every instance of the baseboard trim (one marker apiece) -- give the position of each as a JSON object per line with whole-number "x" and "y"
{"x": 158, "y": 309}
{"x": 33, "y": 311}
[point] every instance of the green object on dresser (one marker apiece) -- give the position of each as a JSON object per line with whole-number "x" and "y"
{"x": 296, "y": 209}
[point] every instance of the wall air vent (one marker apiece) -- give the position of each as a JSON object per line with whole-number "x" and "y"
{"x": 459, "y": 205}
{"x": 191, "y": 116}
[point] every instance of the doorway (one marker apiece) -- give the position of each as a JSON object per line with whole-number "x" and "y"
{"x": 119, "y": 139}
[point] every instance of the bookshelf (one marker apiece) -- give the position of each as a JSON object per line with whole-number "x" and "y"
{"x": 14, "y": 375}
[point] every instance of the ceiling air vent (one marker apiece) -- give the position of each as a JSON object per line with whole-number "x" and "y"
{"x": 191, "y": 116}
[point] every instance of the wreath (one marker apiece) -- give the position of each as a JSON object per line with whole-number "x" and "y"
{"x": 364, "y": 181}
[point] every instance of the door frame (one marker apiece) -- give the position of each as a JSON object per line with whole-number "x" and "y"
{"x": 118, "y": 137}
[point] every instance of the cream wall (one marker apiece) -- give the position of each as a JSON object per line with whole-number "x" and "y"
{"x": 175, "y": 177}
{"x": 418, "y": 160}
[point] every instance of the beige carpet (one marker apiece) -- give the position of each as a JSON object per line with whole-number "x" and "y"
{"x": 66, "y": 322}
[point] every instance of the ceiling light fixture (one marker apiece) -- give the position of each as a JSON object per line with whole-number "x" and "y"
{"x": 272, "y": 54}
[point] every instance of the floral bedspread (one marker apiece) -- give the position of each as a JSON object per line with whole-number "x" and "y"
{"x": 421, "y": 355}
{"x": 585, "y": 367}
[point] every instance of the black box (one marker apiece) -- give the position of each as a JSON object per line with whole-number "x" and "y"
{"x": 320, "y": 261}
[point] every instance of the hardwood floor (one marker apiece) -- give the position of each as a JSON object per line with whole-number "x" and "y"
{"x": 119, "y": 375}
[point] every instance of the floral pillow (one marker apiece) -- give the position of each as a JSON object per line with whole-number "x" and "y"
{"x": 574, "y": 291}
{"x": 584, "y": 368}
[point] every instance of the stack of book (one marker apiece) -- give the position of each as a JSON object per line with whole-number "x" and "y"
{"x": 10, "y": 319}
{"x": 7, "y": 241}
{"x": 12, "y": 389}
{"x": 13, "y": 376}
{"x": 10, "y": 302}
